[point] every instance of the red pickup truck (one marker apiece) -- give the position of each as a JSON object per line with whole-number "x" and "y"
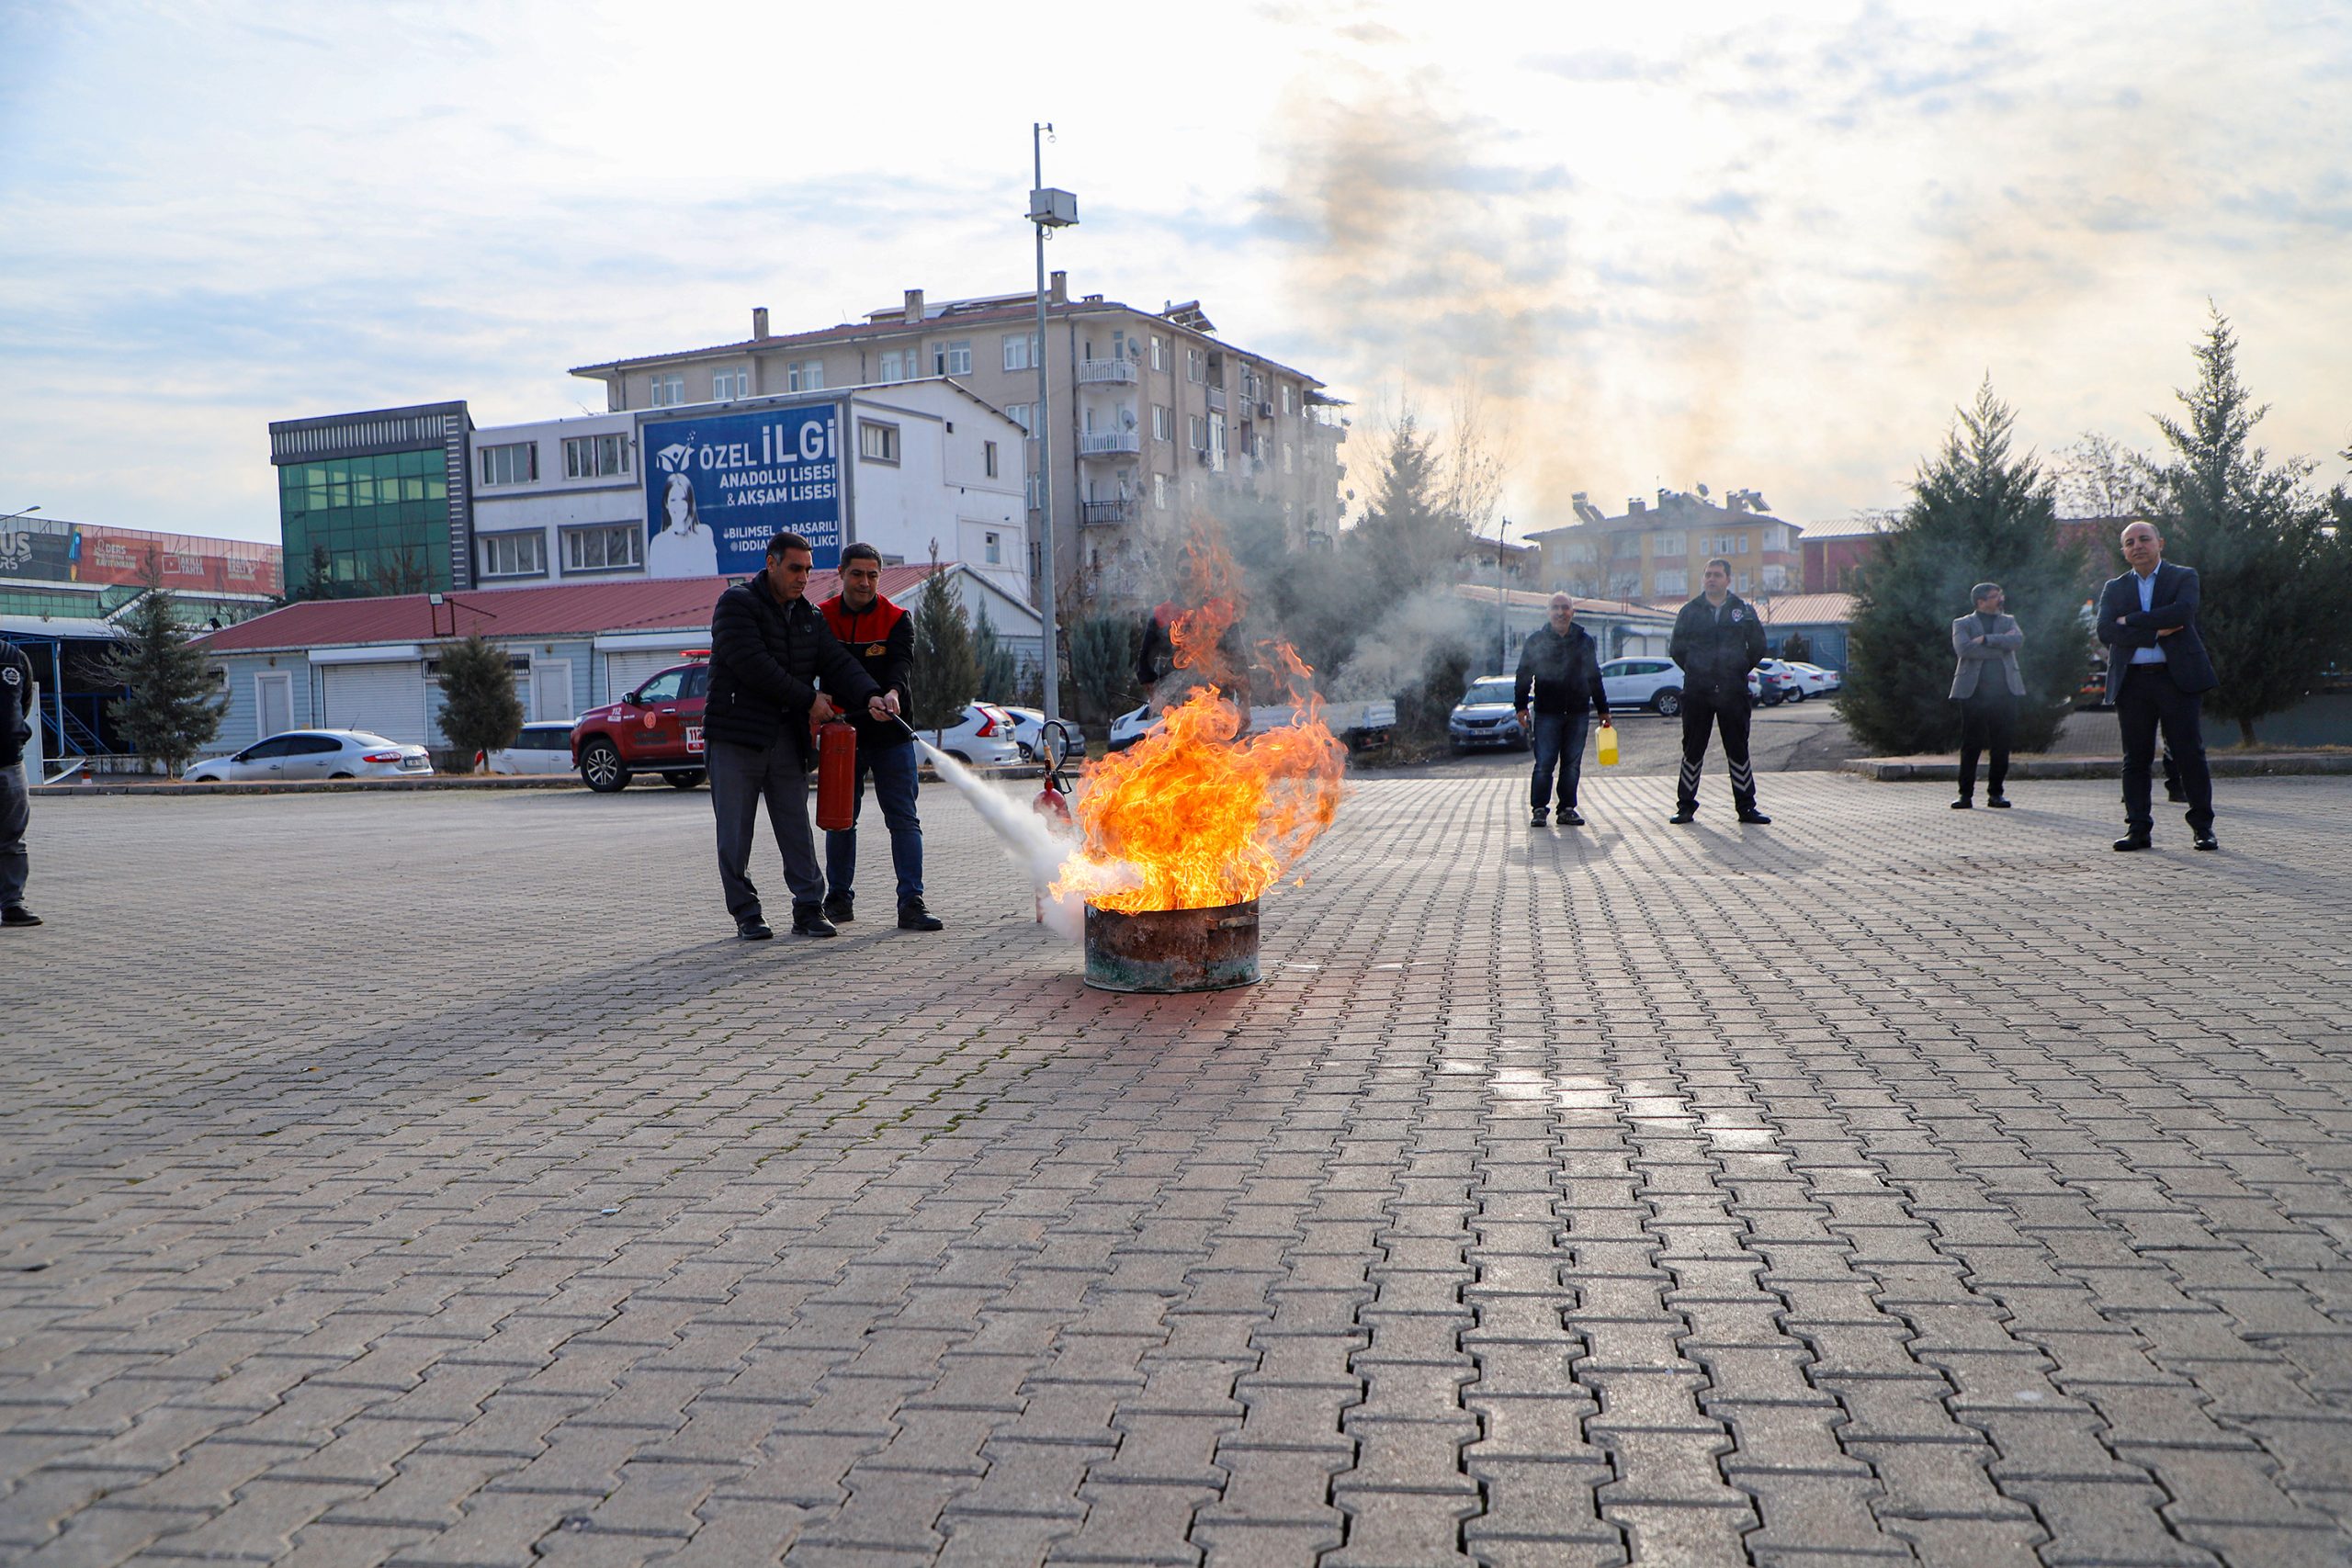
{"x": 655, "y": 729}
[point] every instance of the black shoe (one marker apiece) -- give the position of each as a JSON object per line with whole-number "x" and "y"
{"x": 2178, "y": 796}
{"x": 1683, "y": 815}
{"x": 1964, "y": 803}
{"x": 1538, "y": 817}
{"x": 2206, "y": 841}
{"x": 2131, "y": 841}
{"x": 751, "y": 928}
{"x": 1571, "y": 818}
{"x": 17, "y": 915}
{"x": 1997, "y": 802}
{"x": 839, "y": 909}
{"x": 1755, "y": 818}
{"x": 914, "y": 916}
{"x": 811, "y": 922}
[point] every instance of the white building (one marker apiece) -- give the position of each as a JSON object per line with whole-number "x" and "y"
{"x": 899, "y": 467}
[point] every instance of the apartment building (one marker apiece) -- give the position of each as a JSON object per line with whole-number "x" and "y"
{"x": 1154, "y": 417}
{"x": 1660, "y": 551}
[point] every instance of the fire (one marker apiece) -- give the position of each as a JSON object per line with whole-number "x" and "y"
{"x": 1195, "y": 816}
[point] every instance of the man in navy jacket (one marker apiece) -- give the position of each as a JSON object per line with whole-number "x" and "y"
{"x": 2157, "y": 674}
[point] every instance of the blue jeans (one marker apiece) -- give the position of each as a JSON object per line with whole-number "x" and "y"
{"x": 1559, "y": 742}
{"x": 893, "y": 768}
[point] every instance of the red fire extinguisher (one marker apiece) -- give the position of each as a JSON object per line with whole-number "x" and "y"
{"x": 1052, "y": 804}
{"x": 836, "y": 776}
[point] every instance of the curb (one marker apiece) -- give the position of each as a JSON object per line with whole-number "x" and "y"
{"x": 2224, "y": 764}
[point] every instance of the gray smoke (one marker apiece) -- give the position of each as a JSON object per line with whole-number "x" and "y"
{"x": 1397, "y": 653}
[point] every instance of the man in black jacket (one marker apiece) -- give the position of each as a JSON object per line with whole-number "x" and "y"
{"x": 16, "y": 805}
{"x": 881, "y": 637}
{"x": 1555, "y": 692}
{"x": 1717, "y": 640}
{"x": 768, "y": 649}
{"x": 2157, "y": 675}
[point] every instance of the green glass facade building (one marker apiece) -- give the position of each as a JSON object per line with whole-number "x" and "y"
{"x": 375, "y": 502}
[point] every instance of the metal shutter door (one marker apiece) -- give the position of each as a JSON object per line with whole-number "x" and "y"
{"x": 625, "y": 673}
{"x": 384, "y": 699}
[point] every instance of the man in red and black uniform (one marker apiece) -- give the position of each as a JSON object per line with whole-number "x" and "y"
{"x": 881, "y": 637}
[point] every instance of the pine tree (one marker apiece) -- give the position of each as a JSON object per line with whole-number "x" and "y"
{"x": 946, "y": 670}
{"x": 174, "y": 705}
{"x": 999, "y": 672}
{"x": 1102, "y": 651}
{"x": 480, "y": 711}
{"x": 2272, "y": 576}
{"x": 320, "y": 582}
{"x": 1794, "y": 649}
{"x": 1977, "y": 514}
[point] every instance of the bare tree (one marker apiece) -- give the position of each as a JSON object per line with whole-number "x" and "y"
{"x": 2100, "y": 478}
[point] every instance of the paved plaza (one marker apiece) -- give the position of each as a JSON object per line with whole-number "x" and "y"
{"x": 432, "y": 1179}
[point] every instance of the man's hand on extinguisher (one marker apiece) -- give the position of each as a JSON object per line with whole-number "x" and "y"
{"x": 883, "y": 705}
{"x": 821, "y": 709}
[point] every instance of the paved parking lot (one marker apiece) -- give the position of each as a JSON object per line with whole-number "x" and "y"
{"x": 424, "y": 1180}
{"x": 1793, "y": 736}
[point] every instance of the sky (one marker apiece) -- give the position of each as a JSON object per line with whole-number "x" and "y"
{"x": 1753, "y": 245}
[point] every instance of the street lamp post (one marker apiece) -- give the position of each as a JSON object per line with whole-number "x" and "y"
{"x": 1047, "y": 209}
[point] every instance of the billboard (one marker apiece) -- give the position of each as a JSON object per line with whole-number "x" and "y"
{"x": 88, "y": 555}
{"x": 716, "y": 486}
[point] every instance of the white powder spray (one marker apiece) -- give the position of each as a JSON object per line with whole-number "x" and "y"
{"x": 1027, "y": 836}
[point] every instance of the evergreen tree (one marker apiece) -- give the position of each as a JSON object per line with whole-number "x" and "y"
{"x": 174, "y": 706}
{"x": 999, "y": 672}
{"x": 946, "y": 670}
{"x": 1102, "y": 651}
{"x": 480, "y": 711}
{"x": 1977, "y": 514}
{"x": 1795, "y": 649}
{"x": 2272, "y": 576}
{"x": 1391, "y": 594}
{"x": 319, "y": 581}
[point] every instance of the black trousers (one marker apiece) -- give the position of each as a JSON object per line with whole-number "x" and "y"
{"x": 2150, "y": 702}
{"x": 1988, "y": 718}
{"x": 1706, "y": 709}
{"x": 741, "y": 777}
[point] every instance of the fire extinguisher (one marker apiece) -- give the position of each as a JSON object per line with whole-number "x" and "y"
{"x": 836, "y": 776}
{"x": 1053, "y": 800}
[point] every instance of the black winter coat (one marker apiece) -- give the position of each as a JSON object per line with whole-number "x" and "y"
{"x": 766, "y": 660}
{"x": 16, "y": 704}
{"x": 1561, "y": 673}
{"x": 1717, "y": 654}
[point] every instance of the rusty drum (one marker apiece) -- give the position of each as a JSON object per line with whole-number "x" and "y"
{"x": 1172, "y": 950}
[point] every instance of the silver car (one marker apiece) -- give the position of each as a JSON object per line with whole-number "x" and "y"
{"x": 315, "y": 755}
{"x": 540, "y": 749}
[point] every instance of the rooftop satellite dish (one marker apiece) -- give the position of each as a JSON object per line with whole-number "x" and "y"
{"x": 1703, "y": 490}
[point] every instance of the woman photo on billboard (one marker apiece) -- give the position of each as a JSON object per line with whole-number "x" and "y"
{"x": 684, "y": 547}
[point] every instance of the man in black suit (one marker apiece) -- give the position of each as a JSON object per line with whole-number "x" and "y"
{"x": 2157, "y": 674}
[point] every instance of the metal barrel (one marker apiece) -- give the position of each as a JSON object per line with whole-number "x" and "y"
{"x": 1161, "y": 950}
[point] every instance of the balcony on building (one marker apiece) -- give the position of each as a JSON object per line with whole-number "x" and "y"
{"x": 1106, "y": 373}
{"x": 1217, "y": 399}
{"x": 1110, "y": 443}
{"x": 1093, "y": 513}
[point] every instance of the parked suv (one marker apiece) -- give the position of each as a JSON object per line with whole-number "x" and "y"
{"x": 655, "y": 729}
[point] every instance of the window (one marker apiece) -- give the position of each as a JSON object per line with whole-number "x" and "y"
{"x": 1287, "y": 389}
{"x": 515, "y": 554}
{"x": 595, "y": 457}
{"x": 901, "y": 363}
{"x": 987, "y": 462}
{"x": 1163, "y": 422}
{"x": 1671, "y": 542}
{"x": 805, "y": 375}
{"x": 1192, "y": 364}
{"x": 1158, "y": 488}
{"x": 1776, "y": 578}
{"x": 731, "y": 384}
{"x": 1022, "y": 351}
{"x": 662, "y": 688}
{"x": 877, "y": 443}
{"x": 1197, "y": 426}
{"x": 952, "y": 359}
{"x": 1743, "y": 545}
{"x": 1625, "y": 546}
{"x": 1018, "y": 413}
{"x": 1776, "y": 538}
{"x": 1159, "y": 353}
{"x": 611, "y": 547}
{"x": 992, "y": 548}
{"x": 666, "y": 391}
{"x": 1739, "y": 583}
{"x": 515, "y": 463}
{"x": 1671, "y": 580}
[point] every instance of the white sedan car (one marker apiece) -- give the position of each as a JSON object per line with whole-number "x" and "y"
{"x": 983, "y": 737}
{"x": 540, "y": 749}
{"x": 316, "y": 754}
{"x": 1812, "y": 680}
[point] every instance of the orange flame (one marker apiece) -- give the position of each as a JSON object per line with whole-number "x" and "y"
{"x": 1194, "y": 816}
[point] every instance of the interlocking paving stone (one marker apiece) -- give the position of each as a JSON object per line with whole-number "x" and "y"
{"x": 1871, "y": 1187}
